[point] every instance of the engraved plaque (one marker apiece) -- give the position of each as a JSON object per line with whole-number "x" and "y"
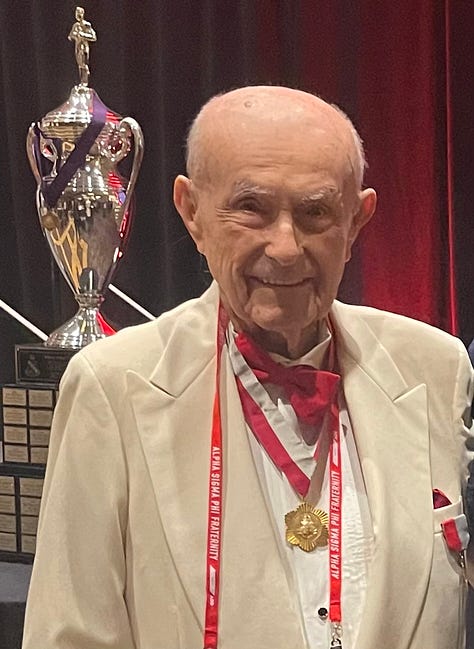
{"x": 7, "y": 504}
{"x": 31, "y": 487}
{"x": 13, "y": 415}
{"x": 40, "y": 364}
{"x": 38, "y": 454}
{"x": 29, "y": 524}
{"x": 7, "y": 484}
{"x": 13, "y": 396}
{"x": 30, "y": 506}
{"x": 28, "y": 544}
{"x": 15, "y": 453}
{"x": 41, "y": 418}
{"x": 39, "y": 436}
{"x": 40, "y": 398}
{"x": 15, "y": 435}
{"x": 8, "y": 523}
{"x": 7, "y": 542}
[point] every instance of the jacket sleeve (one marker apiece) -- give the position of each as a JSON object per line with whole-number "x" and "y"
{"x": 463, "y": 421}
{"x": 76, "y": 597}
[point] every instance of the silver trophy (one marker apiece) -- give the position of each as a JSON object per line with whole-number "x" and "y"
{"x": 84, "y": 203}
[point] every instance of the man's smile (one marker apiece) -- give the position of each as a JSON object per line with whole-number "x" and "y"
{"x": 280, "y": 283}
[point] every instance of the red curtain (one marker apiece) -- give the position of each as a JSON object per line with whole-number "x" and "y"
{"x": 402, "y": 255}
{"x": 389, "y": 64}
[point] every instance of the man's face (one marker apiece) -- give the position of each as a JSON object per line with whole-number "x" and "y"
{"x": 275, "y": 222}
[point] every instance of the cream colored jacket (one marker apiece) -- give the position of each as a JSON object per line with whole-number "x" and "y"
{"x": 120, "y": 562}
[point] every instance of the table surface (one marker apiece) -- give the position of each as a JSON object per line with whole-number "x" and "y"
{"x": 14, "y": 581}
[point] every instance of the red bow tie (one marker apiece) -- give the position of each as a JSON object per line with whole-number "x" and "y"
{"x": 310, "y": 391}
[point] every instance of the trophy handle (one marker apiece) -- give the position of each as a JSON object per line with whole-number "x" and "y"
{"x": 137, "y": 159}
{"x": 31, "y": 153}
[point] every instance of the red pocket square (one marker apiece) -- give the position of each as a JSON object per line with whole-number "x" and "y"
{"x": 440, "y": 499}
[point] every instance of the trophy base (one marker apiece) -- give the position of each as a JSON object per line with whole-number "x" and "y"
{"x": 23, "y": 487}
{"x": 81, "y": 330}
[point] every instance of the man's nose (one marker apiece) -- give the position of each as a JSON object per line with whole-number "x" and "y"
{"x": 282, "y": 243}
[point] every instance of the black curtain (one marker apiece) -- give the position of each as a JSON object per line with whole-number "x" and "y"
{"x": 155, "y": 61}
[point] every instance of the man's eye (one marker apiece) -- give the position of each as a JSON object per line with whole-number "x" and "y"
{"x": 315, "y": 211}
{"x": 249, "y": 205}
{"x": 316, "y": 218}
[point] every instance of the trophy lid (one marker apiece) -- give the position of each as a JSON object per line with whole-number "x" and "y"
{"x": 70, "y": 119}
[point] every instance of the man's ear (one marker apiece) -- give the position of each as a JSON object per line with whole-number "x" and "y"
{"x": 367, "y": 205}
{"x": 185, "y": 200}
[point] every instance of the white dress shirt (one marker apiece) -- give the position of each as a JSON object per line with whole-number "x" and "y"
{"x": 310, "y": 571}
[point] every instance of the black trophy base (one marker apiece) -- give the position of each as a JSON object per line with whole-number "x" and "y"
{"x": 40, "y": 364}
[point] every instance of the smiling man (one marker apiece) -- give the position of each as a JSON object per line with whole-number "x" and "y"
{"x": 274, "y": 203}
{"x": 263, "y": 466}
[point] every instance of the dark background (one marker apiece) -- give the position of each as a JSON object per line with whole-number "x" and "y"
{"x": 401, "y": 70}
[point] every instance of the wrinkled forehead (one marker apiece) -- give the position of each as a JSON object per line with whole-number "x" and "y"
{"x": 258, "y": 129}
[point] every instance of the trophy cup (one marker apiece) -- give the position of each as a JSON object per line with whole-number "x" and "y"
{"x": 84, "y": 204}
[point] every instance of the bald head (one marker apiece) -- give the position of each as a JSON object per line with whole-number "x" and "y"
{"x": 236, "y": 114}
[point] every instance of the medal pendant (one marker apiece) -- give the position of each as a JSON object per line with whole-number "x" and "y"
{"x": 307, "y": 527}
{"x": 49, "y": 220}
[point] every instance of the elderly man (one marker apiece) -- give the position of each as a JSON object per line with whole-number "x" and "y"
{"x": 262, "y": 467}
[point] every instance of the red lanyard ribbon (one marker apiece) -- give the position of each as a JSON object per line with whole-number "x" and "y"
{"x": 335, "y": 516}
{"x": 214, "y": 519}
{"x": 264, "y": 432}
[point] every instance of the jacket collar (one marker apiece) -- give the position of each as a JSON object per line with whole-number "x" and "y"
{"x": 357, "y": 344}
{"x": 190, "y": 347}
{"x": 197, "y": 345}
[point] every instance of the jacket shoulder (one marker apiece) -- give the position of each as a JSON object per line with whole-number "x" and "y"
{"x": 387, "y": 325}
{"x": 139, "y": 347}
{"x": 418, "y": 346}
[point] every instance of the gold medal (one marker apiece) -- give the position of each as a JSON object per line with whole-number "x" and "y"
{"x": 307, "y": 527}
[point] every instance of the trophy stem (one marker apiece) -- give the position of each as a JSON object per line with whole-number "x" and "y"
{"x": 83, "y": 328}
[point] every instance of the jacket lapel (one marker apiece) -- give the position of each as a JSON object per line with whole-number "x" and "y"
{"x": 173, "y": 428}
{"x": 390, "y": 423}
{"x": 173, "y": 412}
